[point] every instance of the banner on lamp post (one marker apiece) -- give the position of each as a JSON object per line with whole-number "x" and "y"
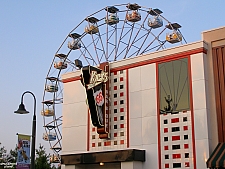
{"x": 23, "y": 155}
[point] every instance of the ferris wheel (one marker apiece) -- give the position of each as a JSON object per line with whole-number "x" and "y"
{"x": 110, "y": 34}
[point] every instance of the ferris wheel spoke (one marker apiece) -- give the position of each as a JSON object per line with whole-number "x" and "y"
{"x": 140, "y": 28}
{"x": 124, "y": 22}
{"x": 95, "y": 48}
{"x": 156, "y": 38}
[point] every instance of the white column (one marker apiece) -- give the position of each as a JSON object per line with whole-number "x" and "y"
{"x": 131, "y": 165}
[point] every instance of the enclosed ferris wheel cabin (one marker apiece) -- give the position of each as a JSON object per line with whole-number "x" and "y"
{"x": 163, "y": 109}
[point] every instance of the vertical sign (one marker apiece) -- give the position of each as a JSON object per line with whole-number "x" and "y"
{"x": 96, "y": 83}
{"x": 23, "y": 155}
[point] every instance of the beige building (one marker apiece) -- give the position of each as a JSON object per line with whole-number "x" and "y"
{"x": 166, "y": 110}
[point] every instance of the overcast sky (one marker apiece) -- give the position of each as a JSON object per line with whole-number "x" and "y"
{"x": 32, "y": 31}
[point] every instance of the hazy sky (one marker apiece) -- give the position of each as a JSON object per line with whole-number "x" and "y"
{"x": 32, "y": 31}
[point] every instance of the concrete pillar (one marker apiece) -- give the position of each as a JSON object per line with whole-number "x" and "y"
{"x": 131, "y": 165}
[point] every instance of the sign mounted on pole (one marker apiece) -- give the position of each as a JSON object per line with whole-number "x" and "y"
{"x": 23, "y": 155}
{"x": 96, "y": 83}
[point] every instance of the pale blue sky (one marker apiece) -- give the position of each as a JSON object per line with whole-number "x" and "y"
{"x": 32, "y": 31}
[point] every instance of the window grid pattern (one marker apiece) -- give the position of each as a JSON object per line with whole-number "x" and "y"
{"x": 118, "y": 117}
{"x": 176, "y": 145}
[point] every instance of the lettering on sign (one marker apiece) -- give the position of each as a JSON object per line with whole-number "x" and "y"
{"x": 97, "y": 79}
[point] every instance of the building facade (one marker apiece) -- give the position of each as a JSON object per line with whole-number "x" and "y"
{"x": 165, "y": 110}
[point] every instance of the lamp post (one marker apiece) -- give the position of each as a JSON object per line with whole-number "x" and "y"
{"x": 22, "y": 110}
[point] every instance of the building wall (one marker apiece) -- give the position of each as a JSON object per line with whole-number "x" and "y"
{"x": 215, "y": 39}
{"x": 141, "y": 125}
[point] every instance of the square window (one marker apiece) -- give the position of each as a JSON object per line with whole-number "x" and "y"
{"x": 165, "y": 138}
{"x": 115, "y": 87}
{"x": 115, "y": 95}
{"x": 115, "y": 118}
{"x": 121, "y": 79}
{"x": 99, "y": 144}
{"x": 187, "y": 164}
{"x": 115, "y": 134}
{"x": 175, "y": 138}
{"x": 121, "y": 141}
{"x": 176, "y": 165}
{"x": 186, "y": 146}
{"x": 165, "y": 130}
{"x": 115, "y": 110}
{"x": 121, "y": 109}
{"x": 121, "y": 133}
{"x": 186, "y": 155}
{"x": 174, "y": 129}
{"x": 185, "y": 137}
{"x": 93, "y": 129}
{"x": 115, "y": 80}
{"x": 166, "y": 147}
{"x": 121, "y": 125}
{"x": 175, "y": 156}
{"x": 93, "y": 136}
{"x": 176, "y": 147}
{"x": 165, "y": 121}
{"x": 115, "y": 126}
{"x": 121, "y": 101}
{"x": 167, "y": 156}
{"x": 121, "y": 94}
{"x": 121, "y": 86}
{"x": 121, "y": 72}
{"x": 167, "y": 165}
{"x": 115, "y": 142}
{"x": 115, "y": 103}
{"x": 185, "y": 128}
{"x": 115, "y": 73}
{"x": 175, "y": 120}
{"x": 121, "y": 117}
{"x": 93, "y": 144}
{"x": 184, "y": 118}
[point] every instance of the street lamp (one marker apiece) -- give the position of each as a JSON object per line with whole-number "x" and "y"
{"x": 22, "y": 110}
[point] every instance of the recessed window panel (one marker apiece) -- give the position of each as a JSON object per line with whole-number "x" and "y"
{"x": 174, "y": 86}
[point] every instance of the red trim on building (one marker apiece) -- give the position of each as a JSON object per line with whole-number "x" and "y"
{"x": 150, "y": 61}
{"x": 88, "y": 131}
{"x": 158, "y": 119}
{"x": 71, "y": 79}
{"x": 192, "y": 112}
{"x": 128, "y": 115}
{"x": 161, "y": 59}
